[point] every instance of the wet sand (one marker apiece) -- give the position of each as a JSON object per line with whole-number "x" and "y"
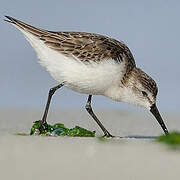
{"x": 135, "y": 156}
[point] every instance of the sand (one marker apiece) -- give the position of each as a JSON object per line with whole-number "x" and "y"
{"x": 135, "y": 156}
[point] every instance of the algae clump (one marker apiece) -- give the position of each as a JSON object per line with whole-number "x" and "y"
{"x": 172, "y": 139}
{"x": 59, "y": 130}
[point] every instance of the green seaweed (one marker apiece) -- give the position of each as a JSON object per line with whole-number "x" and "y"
{"x": 37, "y": 128}
{"x": 59, "y": 130}
{"x": 21, "y": 134}
{"x": 172, "y": 139}
{"x": 80, "y": 132}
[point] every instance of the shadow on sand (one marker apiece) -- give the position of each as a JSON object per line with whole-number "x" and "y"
{"x": 140, "y": 137}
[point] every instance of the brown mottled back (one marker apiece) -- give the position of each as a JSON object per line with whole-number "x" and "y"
{"x": 82, "y": 45}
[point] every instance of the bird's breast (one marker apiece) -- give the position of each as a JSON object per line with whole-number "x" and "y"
{"x": 92, "y": 78}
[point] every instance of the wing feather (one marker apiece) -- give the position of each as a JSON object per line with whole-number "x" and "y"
{"x": 81, "y": 45}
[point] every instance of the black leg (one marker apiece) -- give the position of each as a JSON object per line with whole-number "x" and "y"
{"x": 51, "y": 92}
{"x": 90, "y": 111}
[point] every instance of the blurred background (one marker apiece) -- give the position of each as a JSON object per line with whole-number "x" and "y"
{"x": 149, "y": 28}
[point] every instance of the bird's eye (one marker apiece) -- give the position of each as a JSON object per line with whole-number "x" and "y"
{"x": 144, "y": 93}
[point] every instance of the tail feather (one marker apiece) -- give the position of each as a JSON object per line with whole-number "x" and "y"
{"x": 26, "y": 27}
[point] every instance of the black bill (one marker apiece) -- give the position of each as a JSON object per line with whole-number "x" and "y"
{"x": 155, "y": 112}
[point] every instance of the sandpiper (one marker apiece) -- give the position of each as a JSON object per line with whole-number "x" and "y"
{"x": 92, "y": 64}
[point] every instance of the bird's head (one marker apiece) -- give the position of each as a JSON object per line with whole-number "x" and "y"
{"x": 139, "y": 89}
{"x": 143, "y": 91}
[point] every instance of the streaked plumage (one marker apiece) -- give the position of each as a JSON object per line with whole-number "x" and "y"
{"x": 82, "y": 45}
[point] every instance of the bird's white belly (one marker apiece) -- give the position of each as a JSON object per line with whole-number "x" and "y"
{"x": 88, "y": 78}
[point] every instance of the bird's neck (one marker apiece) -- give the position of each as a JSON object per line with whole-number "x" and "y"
{"x": 122, "y": 91}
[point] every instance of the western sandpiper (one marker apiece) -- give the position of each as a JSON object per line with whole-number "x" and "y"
{"x": 92, "y": 64}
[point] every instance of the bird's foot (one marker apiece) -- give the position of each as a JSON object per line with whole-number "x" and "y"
{"x": 40, "y": 126}
{"x": 108, "y": 135}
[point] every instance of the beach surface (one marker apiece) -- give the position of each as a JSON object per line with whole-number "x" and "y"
{"x": 133, "y": 154}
